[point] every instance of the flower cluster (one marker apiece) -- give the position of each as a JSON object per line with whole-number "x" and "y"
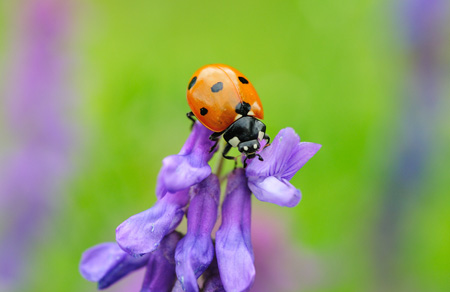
{"x": 187, "y": 187}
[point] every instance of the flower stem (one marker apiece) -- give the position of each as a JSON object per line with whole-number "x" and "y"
{"x": 219, "y": 166}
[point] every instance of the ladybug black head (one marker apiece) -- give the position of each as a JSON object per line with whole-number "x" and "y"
{"x": 249, "y": 148}
{"x": 245, "y": 134}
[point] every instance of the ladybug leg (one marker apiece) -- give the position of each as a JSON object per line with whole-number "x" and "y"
{"x": 214, "y": 146}
{"x": 215, "y": 137}
{"x": 224, "y": 154}
{"x": 260, "y": 157}
{"x": 190, "y": 116}
{"x": 225, "y": 151}
{"x": 266, "y": 137}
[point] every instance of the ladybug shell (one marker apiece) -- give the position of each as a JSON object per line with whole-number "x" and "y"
{"x": 214, "y": 92}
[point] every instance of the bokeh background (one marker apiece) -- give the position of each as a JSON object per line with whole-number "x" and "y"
{"x": 93, "y": 98}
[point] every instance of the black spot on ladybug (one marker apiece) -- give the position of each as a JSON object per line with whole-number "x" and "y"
{"x": 243, "y": 108}
{"x": 243, "y": 80}
{"x": 203, "y": 111}
{"x": 217, "y": 87}
{"x": 192, "y": 83}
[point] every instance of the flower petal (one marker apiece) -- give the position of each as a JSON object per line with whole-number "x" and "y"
{"x": 269, "y": 179}
{"x": 284, "y": 157}
{"x": 177, "y": 287}
{"x": 195, "y": 251}
{"x": 107, "y": 263}
{"x": 233, "y": 244}
{"x": 190, "y": 166}
{"x": 99, "y": 259}
{"x": 213, "y": 283}
{"x": 302, "y": 153}
{"x": 128, "y": 265}
{"x": 160, "y": 274}
{"x": 143, "y": 232}
{"x": 274, "y": 190}
{"x": 178, "y": 173}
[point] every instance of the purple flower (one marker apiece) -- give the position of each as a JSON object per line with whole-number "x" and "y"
{"x": 143, "y": 232}
{"x": 160, "y": 273}
{"x": 190, "y": 166}
{"x": 107, "y": 263}
{"x": 177, "y": 287}
{"x": 233, "y": 244}
{"x": 269, "y": 179}
{"x": 187, "y": 176}
{"x": 33, "y": 105}
{"x": 195, "y": 251}
{"x": 213, "y": 282}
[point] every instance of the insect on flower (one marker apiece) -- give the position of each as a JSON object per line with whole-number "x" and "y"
{"x": 225, "y": 102}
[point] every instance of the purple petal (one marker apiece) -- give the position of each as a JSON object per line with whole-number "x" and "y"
{"x": 302, "y": 153}
{"x": 274, "y": 190}
{"x": 128, "y": 265}
{"x": 160, "y": 275}
{"x": 177, "y": 287}
{"x": 178, "y": 173}
{"x": 143, "y": 232}
{"x": 233, "y": 244}
{"x": 190, "y": 166}
{"x": 107, "y": 263}
{"x": 213, "y": 283}
{"x": 269, "y": 179}
{"x": 284, "y": 157}
{"x": 195, "y": 251}
{"x": 99, "y": 259}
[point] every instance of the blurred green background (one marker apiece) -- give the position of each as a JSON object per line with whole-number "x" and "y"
{"x": 341, "y": 73}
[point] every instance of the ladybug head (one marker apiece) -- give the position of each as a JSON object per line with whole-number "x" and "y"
{"x": 249, "y": 148}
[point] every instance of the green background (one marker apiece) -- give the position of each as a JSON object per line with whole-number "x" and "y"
{"x": 335, "y": 71}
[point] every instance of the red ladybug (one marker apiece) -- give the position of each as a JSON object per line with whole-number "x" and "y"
{"x": 225, "y": 102}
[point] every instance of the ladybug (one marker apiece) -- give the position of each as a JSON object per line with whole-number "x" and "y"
{"x": 225, "y": 102}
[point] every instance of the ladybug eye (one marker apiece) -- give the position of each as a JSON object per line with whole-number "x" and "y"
{"x": 243, "y": 80}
